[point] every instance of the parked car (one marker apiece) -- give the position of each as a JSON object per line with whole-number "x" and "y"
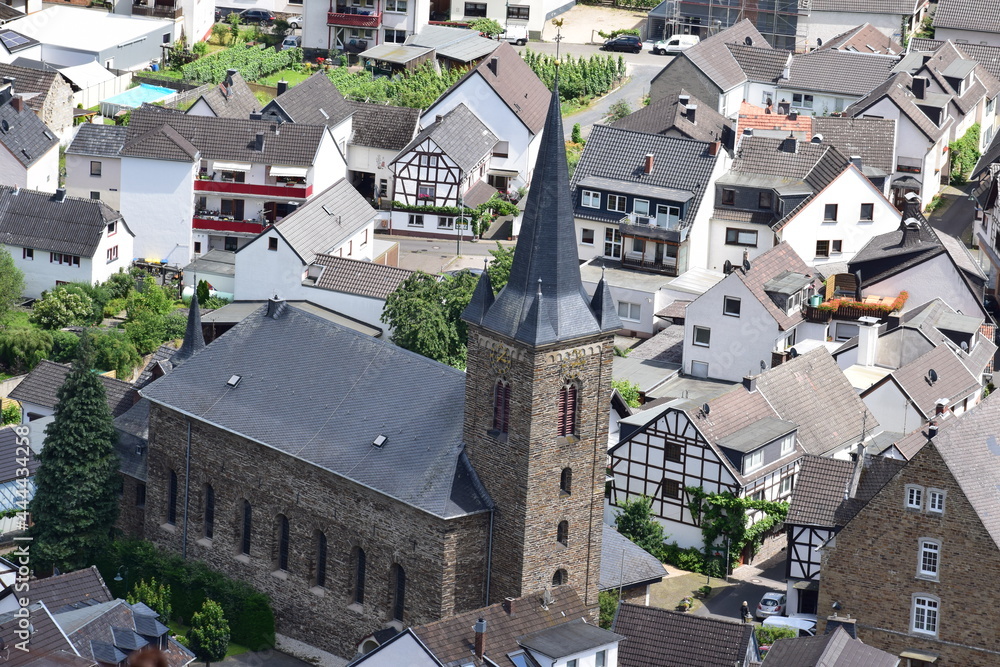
{"x": 675, "y": 44}
{"x": 623, "y": 43}
{"x": 515, "y": 34}
{"x": 291, "y": 42}
{"x": 258, "y": 16}
{"x": 771, "y": 604}
{"x": 294, "y": 22}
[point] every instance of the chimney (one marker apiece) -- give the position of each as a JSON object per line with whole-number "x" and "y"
{"x": 683, "y": 99}
{"x": 17, "y": 103}
{"x": 846, "y": 622}
{"x": 793, "y": 115}
{"x": 438, "y": 118}
{"x": 932, "y": 429}
{"x": 258, "y": 144}
{"x": 282, "y": 87}
{"x": 911, "y": 233}
{"x": 480, "y": 628}
{"x": 692, "y": 112}
{"x": 867, "y": 340}
{"x": 783, "y": 107}
{"x": 750, "y": 383}
{"x": 230, "y": 73}
{"x": 713, "y": 148}
{"x": 858, "y": 456}
{"x": 940, "y": 406}
{"x": 508, "y": 605}
{"x": 817, "y": 139}
{"x": 256, "y": 115}
{"x": 60, "y": 195}
{"x": 857, "y": 162}
{"x": 911, "y": 208}
{"x": 790, "y": 144}
{"x": 647, "y": 167}
{"x": 919, "y": 87}
{"x": 275, "y": 307}
{"x": 495, "y": 66}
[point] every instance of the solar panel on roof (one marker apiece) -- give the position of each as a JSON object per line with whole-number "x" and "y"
{"x": 11, "y": 39}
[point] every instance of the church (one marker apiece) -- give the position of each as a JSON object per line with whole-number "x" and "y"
{"x": 362, "y": 486}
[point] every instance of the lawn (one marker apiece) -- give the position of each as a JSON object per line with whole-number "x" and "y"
{"x": 292, "y": 76}
{"x": 181, "y": 629}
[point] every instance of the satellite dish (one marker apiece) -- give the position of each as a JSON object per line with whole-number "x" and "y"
{"x": 819, "y": 41}
{"x": 705, "y": 409}
{"x": 932, "y": 376}
{"x": 748, "y": 40}
{"x": 792, "y": 353}
{"x": 965, "y": 346}
{"x": 763, "y": 366}
{"x": 746, "y": 265}
{"x": 727, "y": 267}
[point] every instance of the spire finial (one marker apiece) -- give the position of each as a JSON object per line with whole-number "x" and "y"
{"x": 539, "y": 288}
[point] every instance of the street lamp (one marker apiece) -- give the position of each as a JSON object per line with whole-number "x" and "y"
{"x": 118, "y": 576}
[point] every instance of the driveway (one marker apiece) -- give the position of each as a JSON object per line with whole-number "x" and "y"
{"x": 750, "y": 582}
{"x": 956, "y": 215}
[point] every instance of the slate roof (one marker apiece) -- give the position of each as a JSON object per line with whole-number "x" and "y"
{"x": 897, "y": 90}
{"x": 977, "y": 15}
{"x": 460, "y": 135}
{"x": 315, "y": 101}
{"x": 864, "y": 38}
{"x": 24, "y": 134}
{"x": 232, "y": 98}
{"x": 161, "y": 356}
{"x": 839, "y": 72}
{"x": 383, "y": 126}
{"x": 760, "y": 63}
{"x": 43, "y": 382}
{"x": 219, "y": 138}
{"x": 666, "y": 638}
{"x": 216, "y": 262}
{"x": 899, "y": 7}
{"x": 949, "y": 62}
{"x": 986, "y": 55}
{"x": 33, "y": 219}
{"x": 837, "y": 649}
{"x": 716, "y": 61}
{"x": 816, "y": 165}
{"x": 422, "y": 463}
{"x": 58, "y": 591}
{"x": 624, "y": 563}
{"x": 567, "y": 639}
{"x": 353, "y": 276}
{"x": 133, "y": 439}
{"x": 34, "y": 84}
{"x": 544, "y": 300}
{"x": 464, "y": 46}
{"x": 9, "y": 465}
{"x": 46, "y": 640}
{"x": 451, "y": 639}
{"x": 324, "y": 222}
{"x": 766, "y": 267}
{"x": 98, "y": 140}
{"x": 822, "y": 489}
{"x": 669, "y": 115}
{"x": 616, "y": 154}
{"x": 954, "y": 379}
{"x": 871, "y": 138}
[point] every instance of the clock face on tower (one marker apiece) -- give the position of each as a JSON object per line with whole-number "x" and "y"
{"x": 499, "y": 358}
{"x": 572, "y": 363}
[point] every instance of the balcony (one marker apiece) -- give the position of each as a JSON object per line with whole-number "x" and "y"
{"x": 847, "y": 309}
{"x": 354, "y": 20}
{"x": 649, "y": 262}
{"x": 647, "y": 228}
{"x": 216, "y": 223}
{"x": 276, "y": 191}
{"x": 157, "y": 11}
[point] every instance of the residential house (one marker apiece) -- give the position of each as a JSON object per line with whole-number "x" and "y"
{"x": 655, "y": 636}
{"x": 939, "y": 514}
{"x": 680, "y": 116}
{"x": 230, "y": 98}
{"x": 57, "y": 239}
{"x": 754, "y": 314}
{"x": 984, "y": 54}
{"x": 747, "y": 441}
{"x": 828, "y": 493}
{"x": 864, "y": 38}
{"x": 378, "y": 133}
{"x": 826, "y": 19}
{"x": 46, "y": 92}
{"x": 837, "y": 647}
{"x": 507, "y": 97}
{"x": 37, "y": 392}
{"x": 986, "y": 228}
{"x": 774, "y": 122}
{"x": 722, "y": 70}
{"x": 963, "y": 23}
{"x": 315, "y": 101}
{"x": 638, "y": 198}
{"x": 778, "y": 22}
{"x": 29, "y": 157}
{"x": 47, "y": 642}
{"x": 627, "y": 569}
{"x": 828, "y": 81}
{"x": 17, "y": 485}
{"x": 94, "y": 163}
{"x": 444, "y": 166}
{"x": 192, "y": 20}
{"x": 357, "y": 289}
{"x": 84, "y": 586}
{"x": 333, "y": 26}
{"x": 871, "y": 139}
{"x": 433, "y": 45}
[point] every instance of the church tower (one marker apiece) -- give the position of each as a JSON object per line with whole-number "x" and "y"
{"x": 538, "y": 387}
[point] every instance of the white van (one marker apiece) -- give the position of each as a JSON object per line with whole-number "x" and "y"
{"x": 515, "y": 34}
{"x": 675, "y": 44}
{"x": 804, "y": 624}
{"x": 291, "y": 42}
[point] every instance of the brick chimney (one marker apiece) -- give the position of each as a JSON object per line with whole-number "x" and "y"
{"x": 713, "y": 148}
{"x": 647, "y": 167}
{"x": 282, "y": 87}
{"x": 17, "y": 102}
{"x": 750, "y": 383}
{"x": 508, "y": 605}
{"x": 480, "y": 628}
{"x": 790, "y": 144}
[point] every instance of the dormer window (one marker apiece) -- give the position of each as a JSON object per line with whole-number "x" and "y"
{"x": 617, "y": 203}
{"x": 590, "y": 199}
{"x": 764, "y": 200}
{"x": 753, "y": 460}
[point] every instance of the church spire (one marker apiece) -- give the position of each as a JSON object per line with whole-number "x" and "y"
{"x": 546, "y": 254}
{"x": 482, "y": 299}
{"x": 194, "y": 340}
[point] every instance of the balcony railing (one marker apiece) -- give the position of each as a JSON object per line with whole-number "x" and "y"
{"x": 223, "y": 224}
{"x": 646, "y": 227}
{"x": 372, "y": 20}
{"x": 292, "y": 190}
{"x": 157, "y": 11}
{"x": 845, "y": 309}
{"x": 665, "y": 265}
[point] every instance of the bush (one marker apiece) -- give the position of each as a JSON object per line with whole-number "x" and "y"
{"x": 113, "y": 351}
{"x": 22, "y": 349}
{"x": 629, "y": 392}
{"x": 620, "y": 31}
{"x": 200, "y": 48}
{"x": 10, "y": 415}
{"x": 608, "y": 602}
{"x": 174, "y": 326}
{"x": 964, "y": 155}
{"x": 619, "y": 110}
{"x": 767, "y": 635}
{"x": 146, "y": 330}
{"x": 64, "y": 346}
{"x": 62, "y": 307}
{"x": 691, "y": 559}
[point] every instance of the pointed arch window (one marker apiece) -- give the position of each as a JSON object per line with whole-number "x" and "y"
{"x": 246, "y": 528}
{"x": 398, "y": 592}
{"x": 320, "y": 575}
{"x": 501, "y": 406}
{"x": 568, "y": 400}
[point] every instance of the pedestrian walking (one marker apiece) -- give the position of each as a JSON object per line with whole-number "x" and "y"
{"x": 745, "y": 612}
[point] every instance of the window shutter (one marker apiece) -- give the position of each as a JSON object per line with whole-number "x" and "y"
{"x": 561, "y": 426}
{"x": 570, "y": 420}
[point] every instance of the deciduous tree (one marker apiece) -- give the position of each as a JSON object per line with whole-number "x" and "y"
{"x": 636, "y": 522}
{"x": 11, "y": 284}
{"x": 208, "y": 637}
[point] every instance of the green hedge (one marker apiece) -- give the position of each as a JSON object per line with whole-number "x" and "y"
{"x": 252, "y": 62}
{"x": 251, "y": 619}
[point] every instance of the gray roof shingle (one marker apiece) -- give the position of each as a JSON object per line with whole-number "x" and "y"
{"x": 674, "y": 639}
{"x": 822, "y": 489}
{"x": 24, "y": 134}
{"x": 986, "y": 55}
{"x": 760, "y": 63}
{"x": 33, "y": 219}
{"x": 352, "y": 276}
{"x": 836, "y": 649}
{"x": 315, "y": 101}
{"x": 47, "y": 639}
{"x": 840, "y": 72}
{"x": 9, "y": 466}
{"x": 768, "y": 266}
{"x": 459, "y": 44}
{"x": 133, "y": 438}
{"x": 98, "y": 140}
{"x": 382, "y": 126}
{"x": 713, "y": 58}
{"x": 814, "y": 164}
{"x": 666, "y": 115}
{"x": 422, "y": 464}
{"x": 460, "y": 135}
{"x": 624, "y": 563}
{"x": 873, "y": 139}
{"x": 897, "y": 90}
{"x": 34, "y": 84}
{"x": 977, "y": 15}
{"x": 864, "y": 38}
{"x": 955, "y": 381}
{"x": 84, "y": 585}
{"x": 42, "y": 384}
{"x": 898, "y": 7}
{"x": 567, "y": 639}
{"x": 232, "y": 98}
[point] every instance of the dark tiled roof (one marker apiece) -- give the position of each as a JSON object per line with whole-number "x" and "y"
{"x": 713, "y": 58}
{"x": 678, "y": 164}
{"x": 732, "y": 411}
{"x": 478, "y": 194}
{"x": 766, "y": 267}
{"x": 760, "y": 63}
{"x": 544, "y": 300}
{"x": 232, "y": 98}
{"x": 133, "y": 438}
{"x": 107, "y": 631}
{"x": 871, "y": 138}
{"x": 986, "y": 55}
{"x": 383, "y": 126}
{"x": 43, "y": 382}
{"x": 460, "y": 135}
{"x": 221, "y": 138}
{"x": 864, "y": 38}
{"x": 161, "y": 357}
{"x": 896, "y": 251}
{"x": 820, "y": 488}
{"x": 840, "y": 72}
{"x": 674, "y": 639}
{"x": 948, "y": 58}
{"x": 736, "y": 215}
{"x": 9, "y": 465}
{"x": 315, "y": 101}
{"x": 624, "y": 563}
{"x": 24, "y": 134}
{"x": 422, "y": 465}
{"x": 352, "y": 276}
{"x": 837, "y": 649}
{"x": 900, "y": 7}
{"x": 33, "y": 219}
{"x": 65, "y": 589}
{"x": 98, "y": 140}
{"x": 668, "y": 115}
{"x": 451, "y": 639}
{"x": 954, "y": 379}
{"x": 46, "y": 640}
{"x": 977, "y": 15}
{"x": 568, "y": 638}
{"x": 161, "y": 142}
{"x": 897, "y": 90}
{"x": 464, "y": 46}
{"x": 815, "y": 164}
{"x": 35, "y": 84}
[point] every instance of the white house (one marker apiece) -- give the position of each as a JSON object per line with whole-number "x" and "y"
{"x": 378, "y": 133}
{"x": 825, "y": 19}
{"x": 332, "y": 26}
{"x": 57, "y": 239}
{"x": 94, "y": 163}
{"x": 829, "y": 80}
{"x": 30, "y": 154}
{"x": 966, "y": 23}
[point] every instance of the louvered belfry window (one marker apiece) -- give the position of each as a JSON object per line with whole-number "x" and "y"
{"x": 501, "y": 406}
{"x": 567, "y": 410}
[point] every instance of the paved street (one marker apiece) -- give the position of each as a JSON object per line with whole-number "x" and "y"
{"x": 437, "y": 255}
{"x": 749, "y": 583}
{"x": 957, "y": 214}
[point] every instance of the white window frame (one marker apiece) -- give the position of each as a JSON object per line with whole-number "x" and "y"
{"x": 928, "y": 550}
{"x": 927, "y": 622}
{"x": 394, "y": 6}
{"x": 631, "y": 312}
{"x": 427, "y": 160}
{"x": 426, "y": 192}
{"x": 638, "y": 210}
{"x": 415, "y": 220}
{"x": 699, "y": 363}
{"x": 935, "y": 500}
{"x": 914, "y": 497}
{"x": 583, "y": 236}
{"x": 785, "y": 486}
{"x": 613, "y": 240}
{"x": 726, "y": 301}
{"x": 739, "y": 235}
{"x": 446, "y": 222}
{"x": 753, "y": 460}
{"x": 694, "y": 336}
{"x": 788, "y": 444}
{"x": 618, "y": 203}
{"x": 805, "y": 101}
{"x": 589, "y": 197}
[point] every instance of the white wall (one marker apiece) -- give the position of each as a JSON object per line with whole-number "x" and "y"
{"x": 649, "y": 302}
{"x": 262, "y": 273}
{"x": 700, "y": 244}
{"x": 79, "y": 182}
{"x": 934, "y": 278}
{"x": 44, "y": 173}
{"x": 586, "y": 658}
{"x": 372, "y": 161}
{"x": 823, "y": 103}
{"x": 825, "y": 25}
{"x": 199, "y": 16}
{"x": 967, "y": 36}
{"x": 329, "y": 166}
{"x": 158, "y": 203}
{"x": 720, "y": 251}
{"x": 31, "y": 53}
{"x": 892, "y": 409}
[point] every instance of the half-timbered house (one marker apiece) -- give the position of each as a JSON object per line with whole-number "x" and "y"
{"x": 444, "y": 166}
{"x": 747, "y": 441}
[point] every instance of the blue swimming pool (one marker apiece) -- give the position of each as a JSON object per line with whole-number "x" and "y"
{"x": 134, "y": 97}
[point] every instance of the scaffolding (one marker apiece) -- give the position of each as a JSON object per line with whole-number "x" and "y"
{"x": 776, "y": 20}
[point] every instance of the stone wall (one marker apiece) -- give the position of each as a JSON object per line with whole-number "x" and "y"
{"x": 131, "y": 516}
{"x": 444, "y": 561}
{"x": 872, "y": 570}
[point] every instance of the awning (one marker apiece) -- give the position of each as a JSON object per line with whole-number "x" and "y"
{"x": 806, "y": 585}
{"x": 919, "y": 655}
{"x": 293, "y": 172}
{"x": 509, "y": 173}
{"x": 219, "y": 165}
